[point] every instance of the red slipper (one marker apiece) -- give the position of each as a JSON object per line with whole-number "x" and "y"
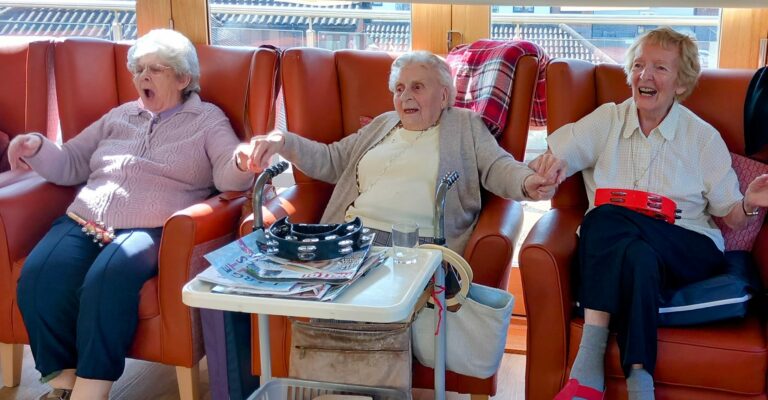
{"x": 574, "y": 389}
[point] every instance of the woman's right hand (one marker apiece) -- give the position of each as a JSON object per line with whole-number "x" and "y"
{"x": 255, "y": 156}
{"x": 26, "y": 145}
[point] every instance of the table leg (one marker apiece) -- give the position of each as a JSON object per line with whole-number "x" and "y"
{"x": 266, "y": 357}
{"x": 440, "y": 340}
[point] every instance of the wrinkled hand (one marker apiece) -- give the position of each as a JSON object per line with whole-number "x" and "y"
{"x": 255, "y": 156}
{"x": 25, "y": 145}
{"x": 757, "y": 193}
{"x": 550, "y": 167}
{"x": 539, "y": 187}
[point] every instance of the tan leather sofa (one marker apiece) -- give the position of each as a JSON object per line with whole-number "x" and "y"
{"x": 726, "y": 360}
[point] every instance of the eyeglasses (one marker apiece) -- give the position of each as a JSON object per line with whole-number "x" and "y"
{"x": 152, "y": 69}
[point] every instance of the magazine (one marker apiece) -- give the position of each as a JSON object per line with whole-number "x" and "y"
{"x": 242, "y": 261}
{"x": 305, "y": 291}
{"x": 241, "y": 268}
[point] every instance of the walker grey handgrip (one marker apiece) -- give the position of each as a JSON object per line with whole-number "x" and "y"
{"x": 258, "y": 191}
{"x": 446, "y": 183}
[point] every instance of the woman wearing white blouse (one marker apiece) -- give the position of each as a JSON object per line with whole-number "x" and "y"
{"x": 651, "y": 143}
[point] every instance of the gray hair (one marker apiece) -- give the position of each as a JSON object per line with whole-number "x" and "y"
{"x": 430, "y": 60}
{"x": 689, "y": 66}
{"x": 175, "y": 50}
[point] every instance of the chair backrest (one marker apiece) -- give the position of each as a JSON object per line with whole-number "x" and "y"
{"x": 575, "y": 88}
{"x": 92, "y": 78}
{"x": 24, "y": 80}
{"x": 326, "y": 92}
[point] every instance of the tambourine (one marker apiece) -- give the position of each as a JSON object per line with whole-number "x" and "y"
{"x": 314, "y": 242}
{"x": 651, "y": 204}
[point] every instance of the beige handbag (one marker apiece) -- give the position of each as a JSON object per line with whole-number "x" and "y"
{"x": 352, "y": 353}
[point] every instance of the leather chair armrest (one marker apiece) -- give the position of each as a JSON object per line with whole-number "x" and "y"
{"x": 10, "y": 177}
{"x": 187, "y": 236}
{"x": 27, "y": 209}
{"x": 545, "y": 266}
{"x": 490, "y": 247}
{"x": 303, "y": 202}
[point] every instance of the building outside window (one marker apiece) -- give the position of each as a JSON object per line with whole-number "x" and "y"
{"x": 113, "y": 20}
{"x": 331, "y": 25}
{"x": 603, "y": 34}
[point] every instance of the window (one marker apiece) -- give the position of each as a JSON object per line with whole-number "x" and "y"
{"x": 602, "y": 34}
{"x": 114, "y": 20}
{"x": 331, "y": 25}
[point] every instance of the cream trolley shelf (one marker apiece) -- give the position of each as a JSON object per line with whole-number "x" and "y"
{"x": 386, "y": 294}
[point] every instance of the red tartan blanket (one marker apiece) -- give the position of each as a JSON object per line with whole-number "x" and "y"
{"x": 484, "y": 72}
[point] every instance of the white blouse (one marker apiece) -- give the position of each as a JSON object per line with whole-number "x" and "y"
{"x": 396, "y": 180}
{"x": 684, "y": 158}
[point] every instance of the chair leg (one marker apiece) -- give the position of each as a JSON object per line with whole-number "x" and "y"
{"x": 189, "y": 382}
{"x": 11, "y": 356}
{"x": 479, "y": 397}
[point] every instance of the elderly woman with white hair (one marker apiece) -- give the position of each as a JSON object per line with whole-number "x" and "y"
{"x": 388, "y": 171}
{"x": 139, "y": 163}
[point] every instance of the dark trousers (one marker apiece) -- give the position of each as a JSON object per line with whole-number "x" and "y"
{"x": 626, "y": 261}
{"x": 80, "y": 301}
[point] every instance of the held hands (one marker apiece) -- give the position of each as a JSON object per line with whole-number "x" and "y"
{"x": 255, "y": 155}
{"x": 549, "y": 166}
{"x": 550, "y": 172}
{"x": 26, "y": 145}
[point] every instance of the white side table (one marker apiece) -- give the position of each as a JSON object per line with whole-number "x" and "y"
{"x": 386, "y": 294}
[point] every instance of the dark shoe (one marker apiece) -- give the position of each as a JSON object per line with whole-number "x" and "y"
{"x": 56, "y": 394}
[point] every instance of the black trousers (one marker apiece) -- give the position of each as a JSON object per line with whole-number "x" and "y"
{"x": 80, "y": 301}
{"x": 626, "y": 261}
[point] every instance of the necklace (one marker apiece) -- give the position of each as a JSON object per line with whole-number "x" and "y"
{"x": 636, "y": 181}
{"x": 391, "y": 139}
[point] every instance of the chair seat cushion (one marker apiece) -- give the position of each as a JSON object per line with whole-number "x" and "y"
{"x": 729, "y": 356}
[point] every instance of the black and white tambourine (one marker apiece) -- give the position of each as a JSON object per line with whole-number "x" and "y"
{"x": 314, "y": 242}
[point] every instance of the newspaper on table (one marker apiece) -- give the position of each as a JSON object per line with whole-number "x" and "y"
{"x": 241, "y": 268}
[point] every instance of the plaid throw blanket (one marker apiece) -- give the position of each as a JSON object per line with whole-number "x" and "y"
{"x": 484, "y": 72}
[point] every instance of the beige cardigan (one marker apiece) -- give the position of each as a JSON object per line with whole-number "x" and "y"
{"x": 466, "y": 146}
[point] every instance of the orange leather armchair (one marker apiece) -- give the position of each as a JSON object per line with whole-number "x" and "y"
{"x": 326, "y": 94}
{"x": 91, "y": 79}
{"x": 24, "y": 66}
{"x": 726, "y": 360}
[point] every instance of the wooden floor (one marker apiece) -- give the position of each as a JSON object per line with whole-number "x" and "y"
{"x": 152, "y": 381}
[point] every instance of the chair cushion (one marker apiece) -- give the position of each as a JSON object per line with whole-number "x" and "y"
{"x": 747, "y": 170}
{"x": 484, "y": 73}
{"x": 729, "y": 356}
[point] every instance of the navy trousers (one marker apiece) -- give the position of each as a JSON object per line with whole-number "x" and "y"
{"x": 80, "y": 301}
{"x": 626, "y": 261}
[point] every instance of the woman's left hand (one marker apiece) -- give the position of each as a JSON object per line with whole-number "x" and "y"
{"x": 757, "y": 193}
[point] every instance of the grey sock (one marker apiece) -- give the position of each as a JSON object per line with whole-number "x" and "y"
{"x": 640, "y": 385}
{"x": 589, "y": 367}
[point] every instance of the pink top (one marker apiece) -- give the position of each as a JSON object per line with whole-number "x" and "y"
{"x": 137, "y": 173}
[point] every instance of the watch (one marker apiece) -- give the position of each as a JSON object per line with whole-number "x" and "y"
{"x": 749, "y": 213}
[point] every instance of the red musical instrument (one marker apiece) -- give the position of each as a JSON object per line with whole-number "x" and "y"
{"x": 651, "y": 204}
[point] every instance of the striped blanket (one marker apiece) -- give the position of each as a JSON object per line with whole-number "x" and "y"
{"x": 484, "y": 73}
